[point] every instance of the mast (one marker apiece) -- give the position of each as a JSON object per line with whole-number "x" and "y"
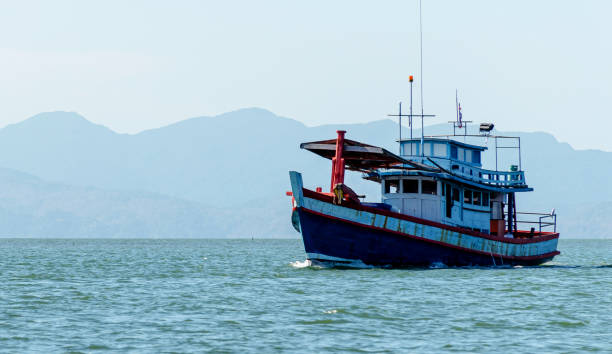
{"x": 421, "y": 65}
{"x": 410, "y": 118}
{"x": 411, "y": 115}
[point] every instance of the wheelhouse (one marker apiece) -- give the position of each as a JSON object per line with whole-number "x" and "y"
{"x": 461, "y": 193}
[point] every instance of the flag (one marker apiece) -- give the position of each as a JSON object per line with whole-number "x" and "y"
{"x": 459, "y": 116}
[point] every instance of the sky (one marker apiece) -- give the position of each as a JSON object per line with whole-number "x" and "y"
{"x": 137, "y": 65}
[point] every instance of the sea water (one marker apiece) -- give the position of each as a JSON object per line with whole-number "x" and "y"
{"x": 263, "y": 296}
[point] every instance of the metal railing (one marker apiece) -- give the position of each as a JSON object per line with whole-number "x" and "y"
{"x": 487, "y": 136}
{"x": 498, "y": 178}
{"x": 477, "y": 174}
{"x": 543, "y": 220}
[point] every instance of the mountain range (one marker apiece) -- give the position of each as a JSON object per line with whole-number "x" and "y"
{"x": 226, "y": 176}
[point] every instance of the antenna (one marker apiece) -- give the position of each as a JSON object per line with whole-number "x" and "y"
{"x": 422, "y": 115}
{"x": 400, "y": 128}
{"x": 421, "y": 65}
{"x": 410, "y": 119}
{"x": 410, "y": 116}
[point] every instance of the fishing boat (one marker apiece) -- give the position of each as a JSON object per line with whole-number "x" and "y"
{"x": 438, "y": 204}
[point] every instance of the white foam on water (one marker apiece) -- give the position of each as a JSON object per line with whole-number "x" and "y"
{"x": 301, "y": 264}
{"x": 356, "y": 264}
{"x": 330, "y": 311}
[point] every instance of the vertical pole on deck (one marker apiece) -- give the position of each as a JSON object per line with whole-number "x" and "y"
{"x": 519, "y": 149}
{"x": 422, "y": 135}
{"x": 496, "y": 155}
{"x": 410, "y": 117}
{"x": 338, "y": 161}
{"x": 510, "y": 212}
{"x": 400, "y": 129}
{"x": 456, "y": 110}
{"x": 514, "y": 211}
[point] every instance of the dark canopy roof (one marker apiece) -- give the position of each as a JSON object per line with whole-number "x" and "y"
{"x": 363, "y": 157}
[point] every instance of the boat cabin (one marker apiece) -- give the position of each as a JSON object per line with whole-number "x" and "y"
{"x": 463, "y": 194}
{"x": 442, "y": 200}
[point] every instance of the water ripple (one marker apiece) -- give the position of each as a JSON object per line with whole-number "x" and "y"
{"x": 253, "y": 296}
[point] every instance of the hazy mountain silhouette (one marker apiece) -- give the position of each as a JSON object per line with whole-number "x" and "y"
{"x": 31, "y": 207}
{"x": 226, "y": 176}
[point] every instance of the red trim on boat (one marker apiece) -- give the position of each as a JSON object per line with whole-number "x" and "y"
{"x": 327, "y": 199}
{"x": 522, "y": 258}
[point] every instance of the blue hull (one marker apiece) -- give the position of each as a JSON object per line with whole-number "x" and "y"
{"x": 330, "y": 240}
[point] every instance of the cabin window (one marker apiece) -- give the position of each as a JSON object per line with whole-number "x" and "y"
{"x": 453, "y": 152}
{"x": 476, "y": 157}
{"x": 439, "y": 150}
{"x": 476, "y": 198}
{"x": 391, "y": 186}
{"x": 456, "y": 195}
{"x": 485, "y": 199}
{"x": 410, "y": 186}
{"x": 427, "y": 149}
{"x": 461, "y": 154}
{"x": 429, "y": 187}
{"x": 410, "y": 149}
{"x": 467, "y": 196}
{"x": 468, "y": 155}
